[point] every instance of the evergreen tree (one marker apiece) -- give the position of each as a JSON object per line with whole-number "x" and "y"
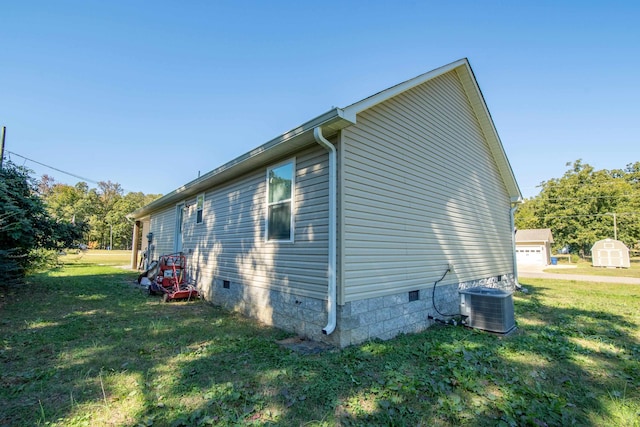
{"x": 25, "y": 224}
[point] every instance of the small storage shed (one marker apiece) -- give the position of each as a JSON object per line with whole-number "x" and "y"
{"x": 533, "y": 246}
{"x": 610, "y": 253}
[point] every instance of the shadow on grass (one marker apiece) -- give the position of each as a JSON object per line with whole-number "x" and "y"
{"x": 96, "y": 350}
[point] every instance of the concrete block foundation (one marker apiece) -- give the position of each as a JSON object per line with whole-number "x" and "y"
{"x": 357, "y": 321}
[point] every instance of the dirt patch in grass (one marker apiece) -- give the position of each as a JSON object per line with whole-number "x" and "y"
{"x": 304, "y": 346}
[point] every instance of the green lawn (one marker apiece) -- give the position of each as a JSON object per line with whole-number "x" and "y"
{"x": 83, "y": 346}
{"x": 585, "y": 267}
{"x": 99, "y": 257}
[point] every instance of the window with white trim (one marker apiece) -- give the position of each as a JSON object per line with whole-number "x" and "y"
{"x": 200, "y": 209}
{"x": 280, "y": 190}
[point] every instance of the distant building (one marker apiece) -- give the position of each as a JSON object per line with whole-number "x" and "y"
{"x": 533, "y": 247}
{"x": 610, "y": 253}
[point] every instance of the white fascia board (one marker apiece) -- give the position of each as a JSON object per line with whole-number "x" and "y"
{"x": 336, "y": 119}
{"x": 352, "y": 110}
{"x": 477, "y": 101}
{"x": 333, "y": 120}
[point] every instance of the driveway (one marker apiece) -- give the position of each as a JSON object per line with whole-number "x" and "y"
{"x": 528, "y": 271}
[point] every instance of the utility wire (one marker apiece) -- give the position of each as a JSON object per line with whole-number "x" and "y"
{"x": 575, "y": 187}
{"x": 583, "y": 215}
{"x": 65, "y": 172}
{"x": 621, "y": 196}
{"x": 54, "y": 168}
{"x": 612, "y": 181}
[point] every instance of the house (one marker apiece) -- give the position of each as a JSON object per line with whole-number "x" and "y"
{"x": 362, "y": 223}
{"x": 533, "y": 246}
{"x": 610, "y": 253}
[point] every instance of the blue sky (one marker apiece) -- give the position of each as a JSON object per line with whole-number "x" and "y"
{"x": 149, "y": 93}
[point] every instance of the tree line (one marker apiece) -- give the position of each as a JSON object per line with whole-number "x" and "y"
{"x": 40, "y": 217}
{"x": 586, "y": 205}
{"x": 102, "y": 211}
{"x": 581, "y": 207}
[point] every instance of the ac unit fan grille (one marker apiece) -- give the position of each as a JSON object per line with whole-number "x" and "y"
{"x": 488, "y": 309}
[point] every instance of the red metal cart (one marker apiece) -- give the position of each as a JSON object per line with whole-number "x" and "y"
{"x": 170, "y": 281}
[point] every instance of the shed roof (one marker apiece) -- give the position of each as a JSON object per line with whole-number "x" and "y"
{"x": 609, "y": 242}
{"x": 534, "y": 235}
{"x": 333, "y": 121}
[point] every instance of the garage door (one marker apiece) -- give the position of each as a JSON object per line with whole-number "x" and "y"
{"x": 530, "y": 255}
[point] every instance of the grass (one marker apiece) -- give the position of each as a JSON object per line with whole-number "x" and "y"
{"x": 99, "y": 257}
{"x": 585, "y": 267}
{"x": 82, "y": 346}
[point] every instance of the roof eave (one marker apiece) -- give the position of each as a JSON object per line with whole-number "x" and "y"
{"x": 466, "y": 75}
{"x": 479, "y": 105}
{"x": 331, "y": 122}
{"x": 334, "y": 120}
{"x": 355, "y": 108}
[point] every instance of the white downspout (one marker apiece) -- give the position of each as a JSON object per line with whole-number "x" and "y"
{"x": 331, "y": 273}
{"x": 514, "y": 207}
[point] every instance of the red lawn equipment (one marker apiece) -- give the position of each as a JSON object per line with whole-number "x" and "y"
{"x": 170, "y": 281}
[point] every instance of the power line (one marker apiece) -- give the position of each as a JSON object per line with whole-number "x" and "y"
{"x": 583, "y": 215}
{"x": 54, "y": 168}
{"x": 577, "y": 186}
{"x": 591, "y": 197}
{"x": 93, "y": 181}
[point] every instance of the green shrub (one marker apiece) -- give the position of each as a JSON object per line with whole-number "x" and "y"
{"x": 41, "y": 259}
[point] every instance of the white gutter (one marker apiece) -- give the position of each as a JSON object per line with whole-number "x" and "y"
{"x": 331, "y": 268}
{"x": 514, "y": 207}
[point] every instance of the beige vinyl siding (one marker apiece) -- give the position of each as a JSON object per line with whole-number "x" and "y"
{"x": 420, "y": 189}
{"x": 163, "y": 227}
{"x": 231, "y": 245}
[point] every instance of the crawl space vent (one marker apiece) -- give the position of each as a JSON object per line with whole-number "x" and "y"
{"x": 489, "y": 309}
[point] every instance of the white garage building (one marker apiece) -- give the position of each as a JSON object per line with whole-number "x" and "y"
{"x": 533, "y": 247}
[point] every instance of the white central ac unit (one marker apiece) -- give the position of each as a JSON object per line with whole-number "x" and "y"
{"x": 489, "y": 309}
